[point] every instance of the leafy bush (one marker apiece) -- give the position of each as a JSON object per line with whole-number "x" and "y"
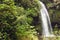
{"x": 16, "y": 20}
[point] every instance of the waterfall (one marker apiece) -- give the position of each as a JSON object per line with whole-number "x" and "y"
{"x": 46, "y": 24}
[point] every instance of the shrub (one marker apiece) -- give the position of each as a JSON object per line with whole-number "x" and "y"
{"x": 16, "y": 20}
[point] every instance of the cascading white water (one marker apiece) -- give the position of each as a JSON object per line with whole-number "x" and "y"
{"x": 46, "y": 24}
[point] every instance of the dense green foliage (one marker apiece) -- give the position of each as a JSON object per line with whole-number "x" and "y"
{"x": 19, "y": 19}
{"x": 16, "y": 18}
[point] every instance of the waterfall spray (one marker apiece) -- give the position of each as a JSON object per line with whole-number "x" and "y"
{"x": 46, "y": 24}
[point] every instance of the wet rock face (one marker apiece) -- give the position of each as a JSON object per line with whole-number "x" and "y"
{"x": 55, "y": 14}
